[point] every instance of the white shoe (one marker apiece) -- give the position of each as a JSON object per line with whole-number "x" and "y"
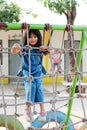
{"x": 42, "y": 117}
{"x": 28, "y": 116}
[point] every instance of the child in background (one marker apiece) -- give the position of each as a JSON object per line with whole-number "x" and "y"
{"x": 55, "y": 60}
{"x": 36, "y": 70}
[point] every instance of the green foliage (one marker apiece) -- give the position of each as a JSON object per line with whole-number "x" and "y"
{"x": 1, "y": 1}
{"x": 29, "y": 11}
{"x": 9, "y": 12}
{"x": 59, "y": 6}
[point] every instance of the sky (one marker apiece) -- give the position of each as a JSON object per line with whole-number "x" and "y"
{"x": 46, "y": 16}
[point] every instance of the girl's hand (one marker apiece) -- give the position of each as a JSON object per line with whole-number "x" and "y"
{"x": 16, "y": 48}
{"x": 44, "y": 49}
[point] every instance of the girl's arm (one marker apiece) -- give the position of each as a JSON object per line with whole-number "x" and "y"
{"x": 16, "y": 48}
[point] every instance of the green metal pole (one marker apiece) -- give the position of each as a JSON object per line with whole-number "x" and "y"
{"x": 79, "y": 57}
{"x": 18, "y": 26}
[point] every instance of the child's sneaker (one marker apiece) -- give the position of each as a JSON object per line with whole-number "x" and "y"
{"x": 29, "y": 116}
{"x": 42, "y": 117}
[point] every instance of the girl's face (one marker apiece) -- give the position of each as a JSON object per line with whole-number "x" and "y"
{"x": 33, "y": 39}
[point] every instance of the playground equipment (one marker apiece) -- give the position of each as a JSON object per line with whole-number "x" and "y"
{"x": 53, "y": 115}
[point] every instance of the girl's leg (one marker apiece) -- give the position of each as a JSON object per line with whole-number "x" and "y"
{"x": 28, "y": 108}
{"x": 30, "y": 90}
{"x": 42, "y": 117}
{"x": 40, "y": 98}
{"x": 41, "y": 107}
{"x": 29, "y": 98}
{"x": 28, "y": 113}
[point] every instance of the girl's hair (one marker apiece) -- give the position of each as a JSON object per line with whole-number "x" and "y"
{"x": 35, "y": 32}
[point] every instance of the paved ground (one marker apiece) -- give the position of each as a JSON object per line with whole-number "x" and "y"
{"x": 10, "y": 90}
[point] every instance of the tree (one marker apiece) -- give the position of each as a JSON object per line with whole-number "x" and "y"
{"x": 68, "y": 8}
{"x": 9, "y": 12}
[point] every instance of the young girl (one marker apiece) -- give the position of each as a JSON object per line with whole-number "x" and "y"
{"x": 32, "y": 66}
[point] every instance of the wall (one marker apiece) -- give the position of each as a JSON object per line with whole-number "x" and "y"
{"x": 5, "y": 36}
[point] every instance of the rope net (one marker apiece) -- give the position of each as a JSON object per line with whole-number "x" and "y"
{"x": 61, "y": 107}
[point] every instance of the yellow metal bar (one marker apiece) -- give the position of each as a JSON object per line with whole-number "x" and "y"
{"x": 46, "y": 40}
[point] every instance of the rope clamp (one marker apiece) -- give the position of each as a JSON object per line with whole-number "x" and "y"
{"x": 28, "y": 47}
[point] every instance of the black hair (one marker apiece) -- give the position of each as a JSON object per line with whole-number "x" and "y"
{"x": 35, "y": 32}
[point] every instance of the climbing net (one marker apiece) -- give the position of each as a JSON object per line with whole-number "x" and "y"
{"x": 59, "y": 107}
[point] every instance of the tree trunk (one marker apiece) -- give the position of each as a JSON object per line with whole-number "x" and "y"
{"x": 71, "y": 14}
{"x": 71, "y": 57}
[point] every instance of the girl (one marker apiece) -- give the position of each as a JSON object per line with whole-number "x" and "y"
{"x": 35, "y": 94}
